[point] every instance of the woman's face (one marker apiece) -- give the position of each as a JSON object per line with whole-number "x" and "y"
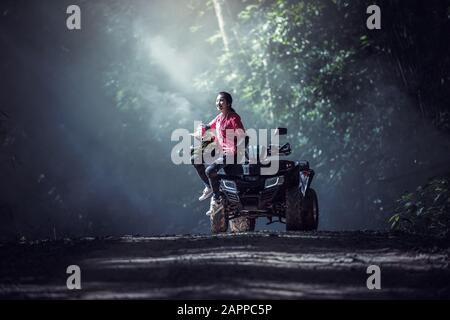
{"x": 221, "y": 103}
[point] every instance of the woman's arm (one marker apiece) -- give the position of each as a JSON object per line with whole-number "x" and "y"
{"x": 211, "y": 125}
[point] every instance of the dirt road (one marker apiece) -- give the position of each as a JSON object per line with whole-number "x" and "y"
{"x": 261, "y": 265}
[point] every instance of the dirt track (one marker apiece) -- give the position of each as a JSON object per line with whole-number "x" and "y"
{"x": 261, "y": 265}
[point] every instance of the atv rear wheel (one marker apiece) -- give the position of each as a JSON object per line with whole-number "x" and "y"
{"x": 242, "y": 224}
{"x": 302, "y": 213}
{"x": 219, "y": 222}
{"x": 293, "y": 210}
{"x": 310, "y": 211}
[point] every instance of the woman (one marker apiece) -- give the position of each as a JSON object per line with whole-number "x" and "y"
{"x": 228, "y": 119}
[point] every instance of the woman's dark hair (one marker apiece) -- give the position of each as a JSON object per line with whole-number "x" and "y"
{"x": 228, "y": 98}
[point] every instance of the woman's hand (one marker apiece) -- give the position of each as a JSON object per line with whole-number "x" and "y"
{"x": 199, "y": 134}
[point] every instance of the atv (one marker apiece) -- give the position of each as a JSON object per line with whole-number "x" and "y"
{"x": 285, "y": 197}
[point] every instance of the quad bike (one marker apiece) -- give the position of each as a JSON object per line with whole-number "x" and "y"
{"x": 285, "y": 197}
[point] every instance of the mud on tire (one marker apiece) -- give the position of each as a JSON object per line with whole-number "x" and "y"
{"x": 219, "y": 222}
{"x": 242, "y": 224}
{"x": 293, "y": 210}
{"x": 302, "y": 213}
{"x": 310, "y": 211}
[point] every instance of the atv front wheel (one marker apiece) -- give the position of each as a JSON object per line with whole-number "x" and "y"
{"x": 242, "y": 224}
{"x": 219, "y": 222}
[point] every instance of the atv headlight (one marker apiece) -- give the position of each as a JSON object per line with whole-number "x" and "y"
{"x": 229, "y": 185}
{"x": 274, "y": 181}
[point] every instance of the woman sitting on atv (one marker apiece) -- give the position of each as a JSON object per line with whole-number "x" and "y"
{"x": 228, "y": 119}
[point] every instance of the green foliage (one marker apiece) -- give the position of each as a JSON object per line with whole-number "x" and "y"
{"x": 296, "y": 70}
{"x": 425, "y": 211}
{"x": 342, "y": 91}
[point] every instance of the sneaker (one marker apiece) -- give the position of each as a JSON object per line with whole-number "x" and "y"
{"x": 216, "y": 206}
{"x": 207, "y": 192}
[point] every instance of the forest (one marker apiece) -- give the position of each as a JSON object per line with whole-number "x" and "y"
{"x": 86, "y": 115}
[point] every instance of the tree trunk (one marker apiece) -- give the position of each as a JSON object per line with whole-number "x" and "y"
{"x": 218, "y": 8}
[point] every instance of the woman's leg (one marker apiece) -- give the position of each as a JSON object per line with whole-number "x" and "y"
{"x": 200, "y": 167}
{"x": 211, "y": 173}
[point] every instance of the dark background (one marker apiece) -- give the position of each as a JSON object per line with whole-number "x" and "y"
{"x": 86, "y": 116}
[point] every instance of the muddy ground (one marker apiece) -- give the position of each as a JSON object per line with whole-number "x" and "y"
{"x": 260, "y": 265}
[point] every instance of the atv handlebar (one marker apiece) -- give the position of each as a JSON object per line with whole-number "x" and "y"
{"x": 284, "y": 150}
